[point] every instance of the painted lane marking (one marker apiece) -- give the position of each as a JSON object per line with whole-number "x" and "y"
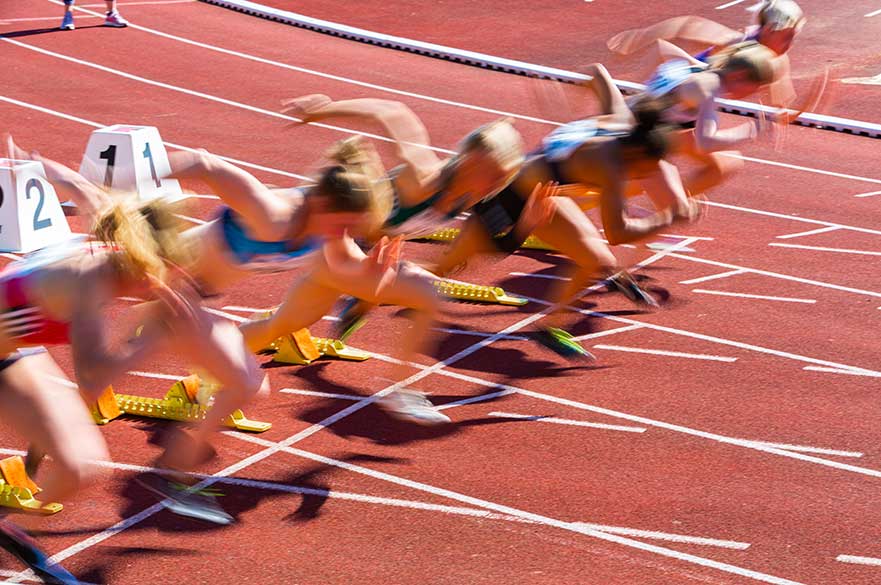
{"x": 811, "y": 232}
{"x": 662, "y": 352}
{"x": 823, "y": 249}
{"x": 608, "y": 332}
{"x": 859, "y": 560}
{"x": 752, "y": 296}
{"x": 779, "y": 275}
{"x": 713, "y": 276}
{"x": 566, "y": 421}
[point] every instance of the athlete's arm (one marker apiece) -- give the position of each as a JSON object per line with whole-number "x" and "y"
{"x": 398, "y": 121}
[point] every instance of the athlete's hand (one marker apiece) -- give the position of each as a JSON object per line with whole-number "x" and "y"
{"x": 305, "y": 107}
{"x": 383, "y": 262}
{"x": 539, "y": 208}
{"x": 692, "y": 210}
{"x": 625, "y": 43}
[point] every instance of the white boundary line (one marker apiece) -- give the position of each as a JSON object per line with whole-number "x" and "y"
{"x": 663, "y": 352}
{"x": 474, "y": 399}
{"x": 713, "y": 276}
{"x": 606, "y": 332}
{"x": 871, "y": 194}
{"x": 751, "y": 296}
{"x": 811, "y": 232}
{"x": 576, "y": 527}
{"x": 806, "y": 449}
{"x": 845, "y": 371}
{"x": 823, "y": 249}
{"x": 779, "y": 275}
{"x": 729, "y": 4}
{"x": 851, "y": 558}
{"x": 873, "y": 13}
{"x": 544, "y": 276}
{"x": 566, "y": 421}
{"x": 513, "y": 66}
{"x": 792, "y": 217}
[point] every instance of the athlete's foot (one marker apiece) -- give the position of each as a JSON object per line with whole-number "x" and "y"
{"x": 562, "y": 343}
{"x": 114, "y": 19}
{"x": 624, "y": 283}
{"x": 67, "y": 21}
{"x": 352, "y": 317}
{"x": 184, "y": 500}
{"x": 414, "y": 407}
{"x": 14, "y": 540}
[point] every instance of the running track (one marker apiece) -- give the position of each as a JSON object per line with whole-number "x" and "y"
{"x": 741, "y": 448}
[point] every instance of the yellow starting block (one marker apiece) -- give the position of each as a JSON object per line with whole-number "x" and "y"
{"x": 450, "y": 234}
{"x": 180, "y": 403}
{"x": 17, "y": 489}
{"x": 301, "y": 348}
{"x": 476, "y": 293}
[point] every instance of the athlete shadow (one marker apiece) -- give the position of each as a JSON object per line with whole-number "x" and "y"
{"x": 375, "y": 425}
{"x": 41, "y": 31}
{"x": 116, "y": 556}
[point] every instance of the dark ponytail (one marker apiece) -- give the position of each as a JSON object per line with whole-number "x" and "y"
{"x": 649, "y": 134}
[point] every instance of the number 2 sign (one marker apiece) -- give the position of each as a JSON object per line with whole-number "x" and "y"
{"x": 129, "y": 158}
{"x": 30, "y": 215}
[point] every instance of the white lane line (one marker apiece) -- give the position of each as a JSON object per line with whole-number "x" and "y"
{"x": 823, "y": 249}
{"x": 728, "y": 4}
{"x": 150, "y": 3}
{"x": 235, "y": 161}
{"x": 158, "y": 376}
{"x": 845, "y": 371}
{"x": 806, "y": 449}
{"x": 811, "y": 232}
{"x": 870, "y": 194}
{"x": 792, "y": 217}
{"x": 241, "y": 309}
{"x": 474, "y": 399}
{"x": 199, "y": 94}
{"x": 37, "y": 19}
{"x": 874, "y": 13}
{"x": 774, "y": 163}
{"x": 538, "y": 518}
{"x": 667, "y": 536}
{"x": 713, "y": 276}
{"x": 851, "y": 558}
{"x": 313, "y": 72}
{"x": 545, "y": 276}
{"x": 195, "y": 220}
{"x": 321, "y": 394}
{"x": 779, "y": 275}
{"x": 751, "y": 296}
{"x": 414, "y": 504}
{"x": 566, "y": 421}
{"x": 226, "y": 315}
{"x": 608, "y": 332}
{"x": 679, "y": 354}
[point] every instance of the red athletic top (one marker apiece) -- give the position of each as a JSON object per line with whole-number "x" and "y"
{"x": 21, "y": 319}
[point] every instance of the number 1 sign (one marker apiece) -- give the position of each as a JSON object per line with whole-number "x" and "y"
{"x": 30, "y": 215}
{"x": 129, "y": 158}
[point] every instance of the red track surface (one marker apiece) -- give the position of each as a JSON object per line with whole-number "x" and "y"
{"x": 686, "y": 473}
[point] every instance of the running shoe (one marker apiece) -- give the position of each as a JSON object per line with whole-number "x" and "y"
{"x": 562, "y": 343}
{"x": 351, "y": 319}
{"x": 183, "y": 500}
{"x": 67, "y": 21}
{"x": 17, "y": 542}
{"x": 32, "y": 460}
{"x": 115, "y": 20}
{"x": 624, "y": 283}
{"x": 413, "y": 407}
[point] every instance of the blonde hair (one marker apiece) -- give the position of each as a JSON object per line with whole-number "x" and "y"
{"x": 781, "y": 15}
{"x": 144, "y": 236}
{"x": 500, "y": 141}
{"x": 754, "y": 58}
{"x": 358, "y": 181}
